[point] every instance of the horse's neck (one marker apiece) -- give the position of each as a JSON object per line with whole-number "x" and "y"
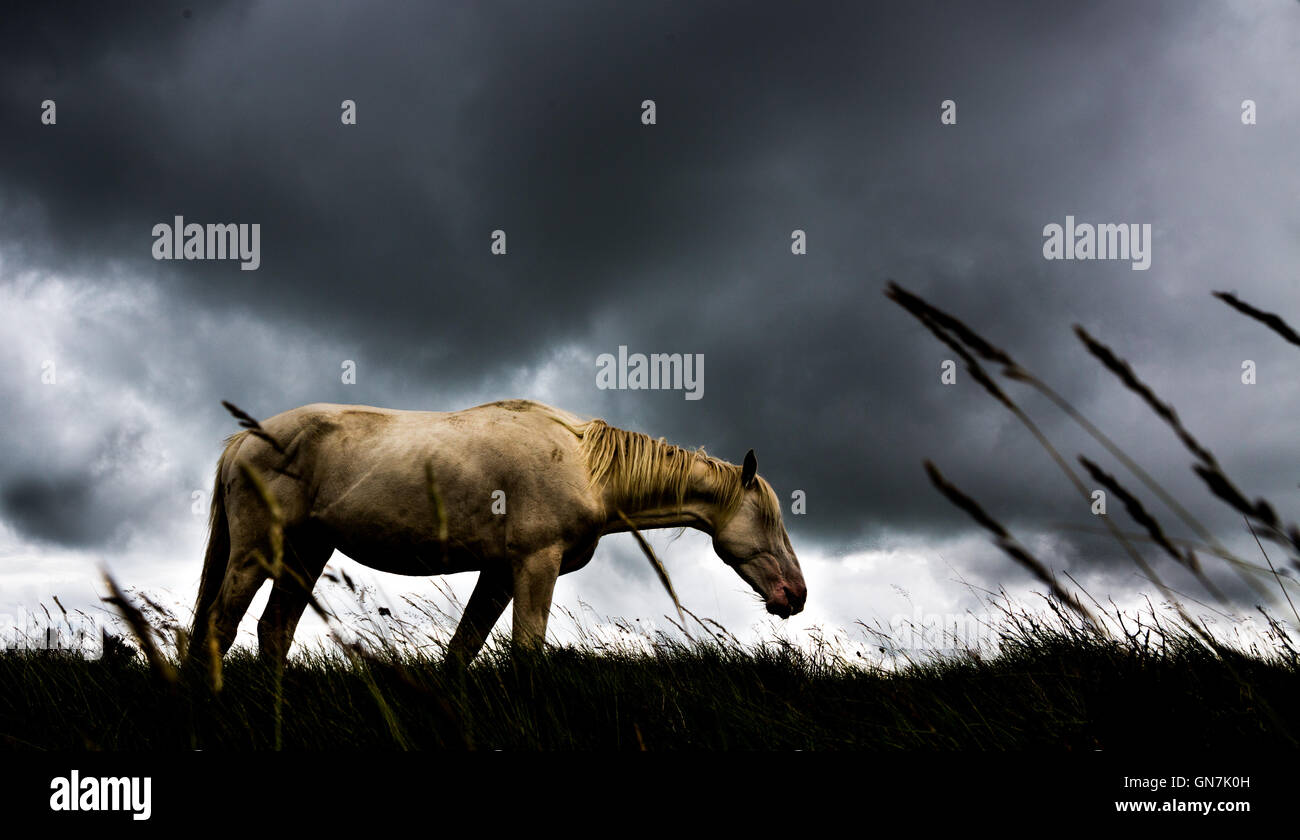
{"x": 700, "y": 509}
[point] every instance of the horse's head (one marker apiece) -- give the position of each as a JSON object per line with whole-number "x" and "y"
{"x": 753, "y": 541}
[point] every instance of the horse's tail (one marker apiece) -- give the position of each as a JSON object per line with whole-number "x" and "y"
{"x": 217, "y": 557}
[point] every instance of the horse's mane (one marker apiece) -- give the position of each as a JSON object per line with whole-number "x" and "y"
{"x": 645, "y": 471}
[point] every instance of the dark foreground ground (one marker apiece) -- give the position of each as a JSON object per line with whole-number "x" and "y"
{"x": 1049, "y": 688}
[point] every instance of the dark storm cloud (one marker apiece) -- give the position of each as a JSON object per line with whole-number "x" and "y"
{"x": 675, "y": 238}
{"x": 40, "y": 505}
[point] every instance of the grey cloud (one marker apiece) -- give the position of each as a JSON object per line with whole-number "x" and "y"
{"x": 675, "y": 238}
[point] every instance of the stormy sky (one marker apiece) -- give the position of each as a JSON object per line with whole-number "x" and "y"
{"x": 673, "y": 237}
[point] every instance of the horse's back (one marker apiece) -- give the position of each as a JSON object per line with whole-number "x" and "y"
{"x": 494, "y": 439}
{"x": 369, "y": 419}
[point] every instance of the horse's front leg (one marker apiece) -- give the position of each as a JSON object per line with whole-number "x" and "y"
{"x": 534, "y": 584}
{"x": 491, "y": 594}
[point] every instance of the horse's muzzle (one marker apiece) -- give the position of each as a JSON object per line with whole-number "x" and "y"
{"x": 788, "y": 600}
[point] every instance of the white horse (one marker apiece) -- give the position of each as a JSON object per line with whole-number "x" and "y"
{"x": 416, "y": 493}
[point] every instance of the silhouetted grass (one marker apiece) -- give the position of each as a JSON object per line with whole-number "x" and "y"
{"x": 1054, "y": 681}
{"x": 969, "y": 344}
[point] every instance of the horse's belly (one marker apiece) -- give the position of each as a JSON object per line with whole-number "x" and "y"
{"x": 408, "y": 560}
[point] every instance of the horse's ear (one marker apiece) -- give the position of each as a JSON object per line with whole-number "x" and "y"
{"x": 750, "y": 469}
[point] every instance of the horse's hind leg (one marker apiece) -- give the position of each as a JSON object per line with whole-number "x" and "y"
{"x": 305, "y": 556}
{"x": 244, "y": 576}
{"x": 250, "y": 554}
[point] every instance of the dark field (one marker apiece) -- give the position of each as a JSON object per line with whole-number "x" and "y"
{"x": 1056, "y": 684}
